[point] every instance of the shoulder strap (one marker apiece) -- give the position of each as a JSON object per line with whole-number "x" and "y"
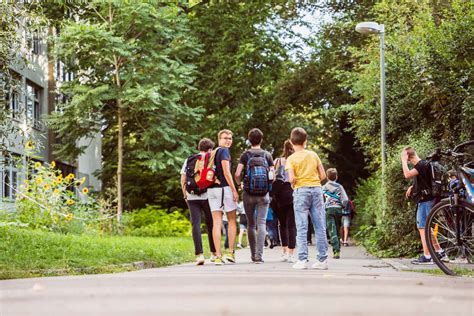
{"x": 277, "y": 163}
{"x": 213, "y": 157}
{"x": 332, "y": 194}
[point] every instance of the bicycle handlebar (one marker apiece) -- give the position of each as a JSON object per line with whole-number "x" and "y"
{"x": 436, "y": 156}
{"x": 469, "y": 142}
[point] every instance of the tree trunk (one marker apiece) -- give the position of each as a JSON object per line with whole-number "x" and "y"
{"x": 120, "y": 134}
{"x": 119, "y": 164}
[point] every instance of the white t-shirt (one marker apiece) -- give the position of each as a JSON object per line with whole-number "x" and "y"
{"x": 190, "y": 196}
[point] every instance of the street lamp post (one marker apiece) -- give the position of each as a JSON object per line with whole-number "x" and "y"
{"x": 375, "y": 28}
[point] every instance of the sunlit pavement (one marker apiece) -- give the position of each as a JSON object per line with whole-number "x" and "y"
{"x": 356, "y": 284}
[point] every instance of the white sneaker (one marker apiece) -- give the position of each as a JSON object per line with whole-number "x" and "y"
{"x": 200, "y": 260}
{"x": 291, "y": 259}
{"x": 213, "y": 258}
{"x": 284, "y": 257}
{"x": 239, "y": 246}
{"x": 301, "y": 265}
{"x": 320, "y": 265}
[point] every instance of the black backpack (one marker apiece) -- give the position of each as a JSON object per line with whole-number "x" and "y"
{"x": 191, "y": 184}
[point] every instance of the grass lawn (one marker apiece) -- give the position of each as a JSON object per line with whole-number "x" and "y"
{"x": 32, "y": 253}
{"x": 437, "y": 271}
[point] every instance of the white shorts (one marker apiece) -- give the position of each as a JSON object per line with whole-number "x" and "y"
{"x": 214, "y": 196}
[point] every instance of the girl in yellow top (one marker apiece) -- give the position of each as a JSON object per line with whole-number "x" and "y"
{"x": 306, "y": 172}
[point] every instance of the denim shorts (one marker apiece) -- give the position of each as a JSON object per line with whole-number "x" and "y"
{"x": 422, "y": 212}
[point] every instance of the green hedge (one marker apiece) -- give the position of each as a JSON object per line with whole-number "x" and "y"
{"x": 152, "y": 221}
{"x": 390, "y": 232}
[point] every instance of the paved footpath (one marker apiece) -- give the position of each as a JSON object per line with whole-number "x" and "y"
{"x": 356, "y": 284}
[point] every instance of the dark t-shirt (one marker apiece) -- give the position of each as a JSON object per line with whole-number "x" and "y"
{"x": 422, "y": 182}
{"x": 222, "y": 154}
{"x": 247, "y": 154}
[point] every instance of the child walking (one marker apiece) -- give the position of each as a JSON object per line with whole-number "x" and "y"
{"x": 306, "y": 172}
{"x": 336, "y": 200}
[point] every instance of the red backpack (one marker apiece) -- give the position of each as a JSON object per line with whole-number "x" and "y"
{"x": 200, "y": 172}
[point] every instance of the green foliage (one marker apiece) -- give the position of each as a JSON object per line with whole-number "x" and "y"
{"x": 32, "y": 253}
{"x": 390, "y": 232}
{"x": 147, "y": 48}
{"x": 428, "y": 75}
{"x": 154, "y": 222}
{"x": 14, "y": 15}
{"x": 48, "y": 201}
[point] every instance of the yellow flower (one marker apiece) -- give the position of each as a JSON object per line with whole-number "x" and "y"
{"x": 70, "y": 202}
{"x": 53, "y": 164}
{"x": 70, "y": 176}
{"x": 59, "y": 179}
{"x": 85, "y": 190}
{"x": 46, "y": 186}
{"x": 29, "y": 145}
{"x": 56, "y": 191}
{"x": 38, "y": 165}
{"x": 39, "y": 180}
{"x": 82, "y": 180}
{"x": 69, "y": 217}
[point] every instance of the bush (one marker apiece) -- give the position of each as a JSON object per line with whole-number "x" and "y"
{"x": 47, "y": 200}
{"x": 154, "y": 222}
{"x": 390, "y": 232}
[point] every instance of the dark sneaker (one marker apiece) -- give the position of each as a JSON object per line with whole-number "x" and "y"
{"x": 336, "y": 255}
{"x": 422, "y": 260}
{"x": 258, "y": 261}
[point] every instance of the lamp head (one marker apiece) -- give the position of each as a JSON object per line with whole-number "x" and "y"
{"x": 369, "y": 28}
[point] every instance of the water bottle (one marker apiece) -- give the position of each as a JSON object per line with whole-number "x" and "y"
{"x": 270, "y": 175}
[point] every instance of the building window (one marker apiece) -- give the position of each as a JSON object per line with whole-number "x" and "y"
{"x": 8, "y": 180}
{"x": 33, "y": 105}
{"x": 12, "y": 91}
{"x": 62, "y": 75}
{"x": 33, "y": 42}
{"x": 13, "y": 104}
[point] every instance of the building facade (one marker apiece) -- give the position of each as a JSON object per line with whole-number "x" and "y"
{"x": 29, "y": 106}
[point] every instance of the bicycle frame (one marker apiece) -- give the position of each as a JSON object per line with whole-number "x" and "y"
{"x": 467, "y": 184}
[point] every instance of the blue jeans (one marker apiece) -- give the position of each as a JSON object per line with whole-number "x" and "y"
{"x": 309, "y": 200}
{"x": 422, "y": 212}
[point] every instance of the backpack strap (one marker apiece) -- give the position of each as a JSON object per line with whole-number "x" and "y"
{"x": 332, "y": 194}
{"x": 213, "y": 157}
{"x": 212, "y": 161}
{"x": 277, "y": 163}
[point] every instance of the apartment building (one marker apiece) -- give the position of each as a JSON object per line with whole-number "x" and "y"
{"x": 36, "y": 98}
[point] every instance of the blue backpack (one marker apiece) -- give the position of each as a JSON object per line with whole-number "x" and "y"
{"x": 256, "y": 176}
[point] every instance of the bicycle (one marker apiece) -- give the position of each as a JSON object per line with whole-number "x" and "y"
{"x": 450, "y": 222}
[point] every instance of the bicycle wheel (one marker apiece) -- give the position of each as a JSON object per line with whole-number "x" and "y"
{"x": 449, "y": 236}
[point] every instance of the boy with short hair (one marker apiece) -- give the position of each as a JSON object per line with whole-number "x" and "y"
{"x": 252, "y": 201}
{"x": 306, "y": 172}
{"x": 223, "y": 197}
{"x": 335, "y": 201}
{"x": 420, "y": 193}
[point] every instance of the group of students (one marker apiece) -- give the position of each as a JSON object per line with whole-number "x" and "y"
{"x": 293, "y": 181}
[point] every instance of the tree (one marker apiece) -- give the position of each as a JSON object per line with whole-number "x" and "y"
{"x": 131, "y": 67}
{"x": 13, "y": 19}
